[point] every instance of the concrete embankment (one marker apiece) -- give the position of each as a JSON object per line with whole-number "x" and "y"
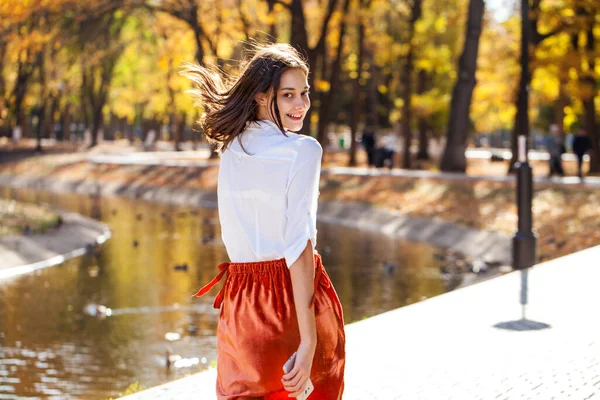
{"x": 77, "y": 235}
{"x": 477, "y": 244}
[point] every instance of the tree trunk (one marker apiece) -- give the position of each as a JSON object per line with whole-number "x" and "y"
{"x": 535, "y": 39}
{"x": 423, "y": 153}
{"x": 198, "y": 34}
{"x": 334, "y": 81}
{"x": 24, "y": 73}
{"x": 272, "y": 27}
{"x": 406, "y": 80}
{"x": 4, "y": 122}
{"x": 453, "y": 158}
{"x": 43, "y": 107}
{"x": 96, "y": 125}
{"x": 51, "y": 116}
{"x": 22, "y": 122}
{"x": 299, "y": 39}
{"x": 66, "y": 122}
{"x": 298, "y": 34}
{"x": 357, "y": 87}
{"x": 373, "y": 94}
{"x": 588, "y": 102}
{"x": 180, "y": 128}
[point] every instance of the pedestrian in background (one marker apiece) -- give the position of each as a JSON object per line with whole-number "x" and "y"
{"x": 581, "y": 145}
{"x": 556, "y": 148}
{"x": 368, "y": 142}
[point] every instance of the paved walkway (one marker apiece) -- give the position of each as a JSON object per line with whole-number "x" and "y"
{"x": 198, "y": 159}
{"x": 472, "y": 343}
{"x": 24, "y": 254}
{"x": 592, "y": 182}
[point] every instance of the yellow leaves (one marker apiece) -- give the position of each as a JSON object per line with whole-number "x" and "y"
{"x": 322, "y": 85}
{"x": 399, "y": 49}
{"x": 546, "y": 83}
{"x": 570, "y": 117}
{"x": 314, "y": 118}
{"x": 567, "y": 12}
{"x": 430, "y": 102}
{"x": 440, "y": 24}
{"x": 395, "y": 116}
{"x": 573, "y": 73}
{"x": 351, "y": 62}
{"x": 164, "y": 62}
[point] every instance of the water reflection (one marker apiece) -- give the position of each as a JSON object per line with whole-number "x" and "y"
{"x": 50, "y": 347}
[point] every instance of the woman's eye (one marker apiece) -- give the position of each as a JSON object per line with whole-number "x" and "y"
{"x": 288, "y": 95}
{"x": 305, "y": 93}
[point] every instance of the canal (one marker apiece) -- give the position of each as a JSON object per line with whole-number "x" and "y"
{"x": 91, "y": 327}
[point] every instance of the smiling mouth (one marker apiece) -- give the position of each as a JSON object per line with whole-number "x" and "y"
{"x": 295, "y": 117}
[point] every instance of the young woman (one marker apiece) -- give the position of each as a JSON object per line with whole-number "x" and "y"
{"x": 277, "y": 298}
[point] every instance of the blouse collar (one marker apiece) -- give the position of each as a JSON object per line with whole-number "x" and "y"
{"x": 263, "y": 125}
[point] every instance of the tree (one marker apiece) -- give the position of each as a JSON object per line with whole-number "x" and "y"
{"x": 423, "y": 153}
{"x": 189, "y": 12}
{"x": 24, "y": 29}
{"x": 334, "y": 79}
{"x": 357, "y": 86}
{"x": 100, "y": 49}
{"x": 300, "y": 40}
{"x": 453, "y": 158}
{"x": 415, "y": 13}
{"x": 537, "y": 38}
{"x": 587, "y": 78}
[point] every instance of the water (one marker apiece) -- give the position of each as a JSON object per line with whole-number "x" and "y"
{"x": 50, "y": 347}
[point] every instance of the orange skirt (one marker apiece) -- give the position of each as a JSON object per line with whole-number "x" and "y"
{"x": 258, "y": 332}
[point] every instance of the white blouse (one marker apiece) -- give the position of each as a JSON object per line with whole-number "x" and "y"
{"x": 268, "y": 198}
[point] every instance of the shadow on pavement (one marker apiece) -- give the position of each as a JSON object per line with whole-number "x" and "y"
{"x": 522, "y": 325}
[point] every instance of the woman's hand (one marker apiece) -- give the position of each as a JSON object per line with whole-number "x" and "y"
{"x": 295, "y": 381}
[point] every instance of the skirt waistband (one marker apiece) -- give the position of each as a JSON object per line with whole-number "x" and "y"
{"x": 321, "y": 278}
{"x": 256, "y": 267}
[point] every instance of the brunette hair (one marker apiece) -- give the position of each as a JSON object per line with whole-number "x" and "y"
{"x": 229, "y": 104}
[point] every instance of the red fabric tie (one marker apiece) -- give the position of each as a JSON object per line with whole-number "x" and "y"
{"x": 219, "y": 298}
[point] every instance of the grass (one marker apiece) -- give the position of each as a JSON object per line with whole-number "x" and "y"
{"x": 24, "y": 219}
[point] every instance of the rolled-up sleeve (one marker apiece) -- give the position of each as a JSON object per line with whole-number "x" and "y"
{"x": 302, "y": 199}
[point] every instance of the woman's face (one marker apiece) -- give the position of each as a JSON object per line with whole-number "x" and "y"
{"x": 292, "y": 100}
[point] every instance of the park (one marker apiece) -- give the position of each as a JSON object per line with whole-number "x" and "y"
{"x": 458, "y": 209}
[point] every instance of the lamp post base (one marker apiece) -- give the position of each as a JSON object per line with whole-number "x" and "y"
{"x": 524, "y": 245}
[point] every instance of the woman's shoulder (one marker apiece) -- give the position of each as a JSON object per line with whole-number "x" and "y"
{"x": 265, "y": 139}
{"x": 305, "y": 145}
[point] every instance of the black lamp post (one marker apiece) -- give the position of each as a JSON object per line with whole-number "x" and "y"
{"x": 524, "y": 241}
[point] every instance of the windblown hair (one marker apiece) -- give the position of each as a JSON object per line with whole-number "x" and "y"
{"x": 229, "y": 104}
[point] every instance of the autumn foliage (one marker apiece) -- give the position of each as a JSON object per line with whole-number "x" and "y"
{"x": 391, "y": 64}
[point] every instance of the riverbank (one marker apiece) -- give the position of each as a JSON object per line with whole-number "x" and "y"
{"x": 566, "y": 215}
{"x": 18, "y": 218}
{"x": 474, "y": 243}
{"x": 75, "y": 237}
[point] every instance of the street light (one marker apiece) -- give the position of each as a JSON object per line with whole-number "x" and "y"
{"x": 524, "y": 241}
